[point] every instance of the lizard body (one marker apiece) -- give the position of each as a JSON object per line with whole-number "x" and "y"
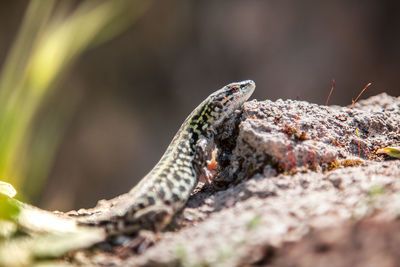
{"x": 167, "y": 187}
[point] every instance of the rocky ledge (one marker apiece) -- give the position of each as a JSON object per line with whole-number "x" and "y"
{"x": 300, "y": 185}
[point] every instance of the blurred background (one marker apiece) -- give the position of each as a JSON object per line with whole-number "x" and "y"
{"x": 107, "y": 116}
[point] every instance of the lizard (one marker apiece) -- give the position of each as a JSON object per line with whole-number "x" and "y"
{"x": 166, "y": 188}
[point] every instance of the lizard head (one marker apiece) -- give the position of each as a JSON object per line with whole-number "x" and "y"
{"x": 226, "y": 100}
{"x": 237, "y": 92}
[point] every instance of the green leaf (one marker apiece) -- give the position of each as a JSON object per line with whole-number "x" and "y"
{"x": 9, "y": 209}
{"x": 390, "y": 151}
{"x": 7, "y": 189}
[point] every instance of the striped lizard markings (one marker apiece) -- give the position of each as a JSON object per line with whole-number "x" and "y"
{"x": 167, "y": 187}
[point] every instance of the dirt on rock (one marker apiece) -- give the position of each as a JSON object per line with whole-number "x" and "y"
{"x": 300, "y": 185}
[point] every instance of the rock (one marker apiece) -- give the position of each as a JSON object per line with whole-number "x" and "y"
{"x": 296, "y": 179}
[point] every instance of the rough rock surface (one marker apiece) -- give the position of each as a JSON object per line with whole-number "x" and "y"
{"x": 300, "y": 184}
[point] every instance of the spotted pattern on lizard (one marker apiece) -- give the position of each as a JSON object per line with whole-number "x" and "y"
{"x": 167, "y": 187}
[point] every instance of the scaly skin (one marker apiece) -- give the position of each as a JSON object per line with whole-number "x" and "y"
{"x": 167, "y": 187}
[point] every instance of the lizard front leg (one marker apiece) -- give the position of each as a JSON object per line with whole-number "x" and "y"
{"x": 204, "y": 162}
